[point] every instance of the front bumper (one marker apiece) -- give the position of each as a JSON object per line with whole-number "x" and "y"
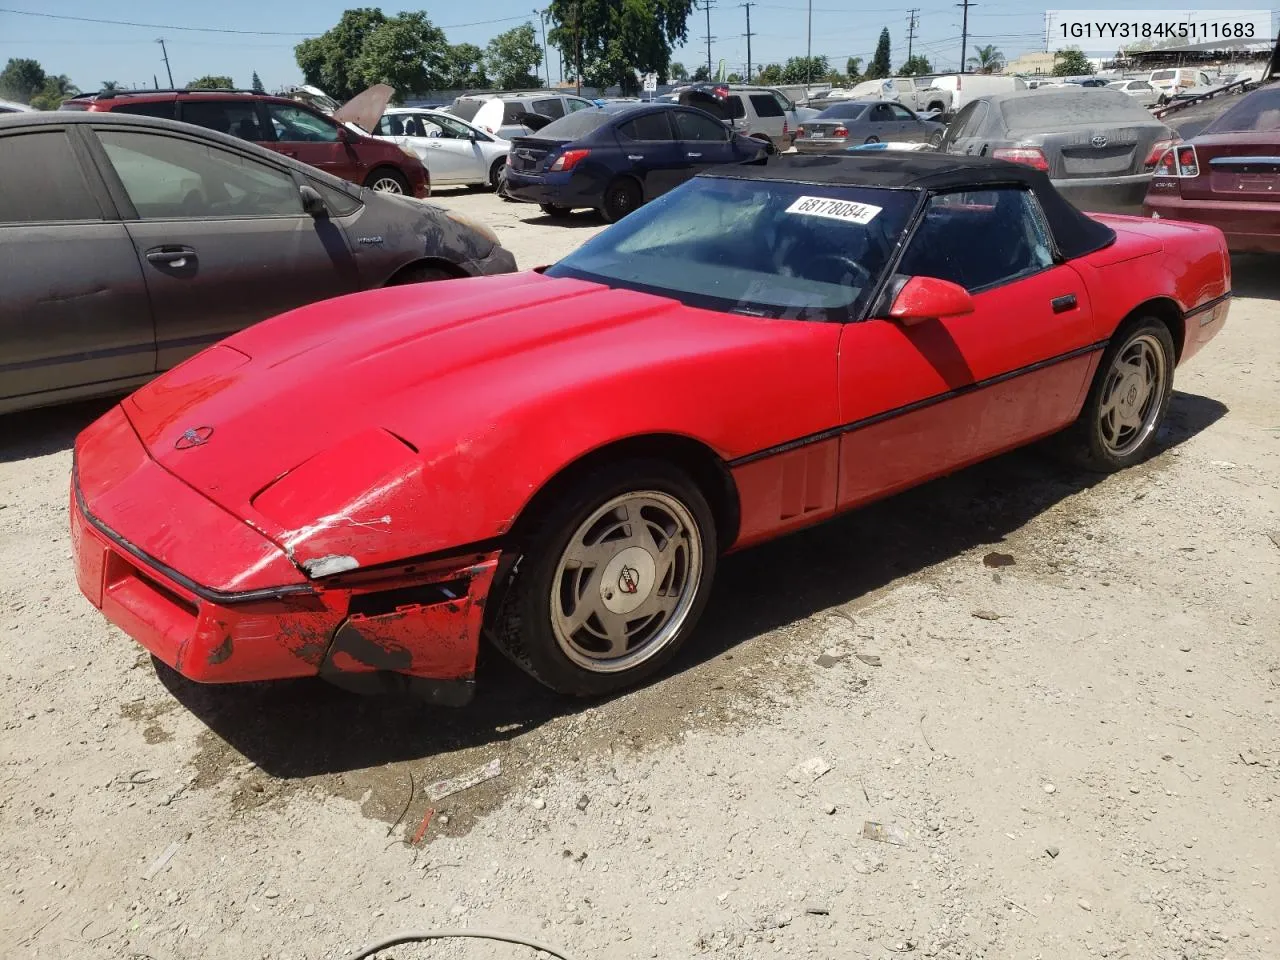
{"x": 1249, "y": 226}
{"x": 1106, "y": 194}
{"x": 416, "y": 628}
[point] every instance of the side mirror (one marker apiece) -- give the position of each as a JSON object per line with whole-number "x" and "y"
{"x": 472, "y": 136}
{"x": 312, "y": 202}
{"x": 344, "y": 135}
{"x": 928, "y": 298}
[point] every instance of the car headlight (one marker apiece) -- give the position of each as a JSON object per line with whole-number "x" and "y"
{"x": 481, "y": 228}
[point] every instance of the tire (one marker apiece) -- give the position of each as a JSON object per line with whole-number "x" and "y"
{"x": 872, "y": 139}
{"x": 620, "y": 198}
{"x": 495, "y": 172}
{"x": 419, "y": 274}
{"x": 555, "y": 210}
{"x": 940, "y": 107}
{"x": 935, "y": 140}
{"x": 556, "y": 623}
{"x": 1133, "y": 383}
{"x": 387, "y": 180}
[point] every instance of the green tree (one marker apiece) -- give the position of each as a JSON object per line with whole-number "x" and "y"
{"x": 916, "y": 66}
{"x": 256, "y": 84}
{"x": 805, "y": 69}
{"x": 109, "y": 85}
{"x": 701, "y": 74}
{"x": 770, "y": 75}
{"x": 678, "y": 72}
{"x": 512, "y": 58}
{"x": 1071, "y": 63}
{"x": 618, "y": 38}
{"x": 986, "y": 59}
{"x": 880, "y": 66}
{"x": 407, "y": 52}
{"x": 211, "y": 81}
{"x": 853, "y": 67}
{"x": 55, "y": 90}
{"x": 21, "y": 79}
{"x": 329, "y": 61}
{"x": 464, "y": 67}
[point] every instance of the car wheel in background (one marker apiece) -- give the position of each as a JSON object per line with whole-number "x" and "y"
{"x": 387, "y": 180}
{"x": 555, "y": 210}
{"x": 611, "y": 581}
{"x": 620, "y": 198}
{"x": 419, "y": 274}
{"x": 935, "y": 139}
{"x": 1128, "y": 399}
{"x": 872, "y": 139}
{"x": 495, "y": 172}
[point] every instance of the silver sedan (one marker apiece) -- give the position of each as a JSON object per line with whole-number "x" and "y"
{"x": 856, "y": 122}
{"x": 454, "y": 151}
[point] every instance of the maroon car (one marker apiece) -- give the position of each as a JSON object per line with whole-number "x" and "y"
{"x": 280, "y": 124}
{"x": 1228, "y": 176}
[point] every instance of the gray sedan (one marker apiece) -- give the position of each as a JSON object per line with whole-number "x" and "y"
{"x": 128, "y": 243}
{"x": 855, "y": 122}
{"x": 1098, "y": 146}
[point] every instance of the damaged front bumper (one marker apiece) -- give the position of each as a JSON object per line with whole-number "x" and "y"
{"x": 415, "y": 627}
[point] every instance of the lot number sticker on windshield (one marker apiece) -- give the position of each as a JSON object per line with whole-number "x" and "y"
{"x": 849, "y": 212}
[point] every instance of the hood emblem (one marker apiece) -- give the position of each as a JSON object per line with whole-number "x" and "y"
{"x": 1099, "y": 141}
{"x": 629, "y": 580}
{"x": 193, "y": 437}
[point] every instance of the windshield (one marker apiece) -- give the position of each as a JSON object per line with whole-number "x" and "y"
{"x": 575, "y": 126}
{"x": 843, "y": 111}
{"x": 1257, "y": 113}
{"x": 759, "y": 247}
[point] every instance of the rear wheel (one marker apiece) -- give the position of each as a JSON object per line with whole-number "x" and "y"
{"x": 386, "y": 180}
{"x": 620, "y": 198}
{"x": 935, "y": 139}
{"x": 495, "y": 172}
{"x": 872, "y": 139}
{"x": 420, "y": 274}
{"x": 612, "y": 580}
{"x": 1128, "y": 400}
{"x": 555, "y": 210}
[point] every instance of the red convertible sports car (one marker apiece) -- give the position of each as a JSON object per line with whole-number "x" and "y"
{"x": 359, "y": 488}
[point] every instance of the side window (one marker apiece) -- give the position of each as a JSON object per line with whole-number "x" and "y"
{"x": 552, "y": 107}
{"x": 295, "y": 125}
{"x": 388, "y": 125}
{"x": 439, "y": 126}
{"x": 695, "y": 126}
{"x": 511, "y": 110}
{"x": 163, "y": 108}
{"x": 903, "y": 86}
{"x": 900, "y": 112}
{"x": 766, "y": 106}
{"x": 968, "y": 123}
{"x": 236, "y": 117}
{"x": 171, "y": 178}
{"x": 650, "y": 126}
{"x": 573, "y": 104}
{"x": 979, "y": 239}
{"x": 881, "y": 113}
{"x": 734, "y": 105}
{"x": 783, "y": 102}
{"x": 43, "y": 182}
{"x": 340, "y": 204}
{"x": 1141, "y": 85}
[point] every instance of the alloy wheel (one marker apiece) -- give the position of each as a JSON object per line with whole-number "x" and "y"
{"x": 387, "y": 185}
{"x": 1132, "y": 395}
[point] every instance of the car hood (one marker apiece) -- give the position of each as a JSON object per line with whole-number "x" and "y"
{"x": 334, "y": 418}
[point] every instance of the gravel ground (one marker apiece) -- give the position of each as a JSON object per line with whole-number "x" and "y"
{"x": 1057, "y": 694}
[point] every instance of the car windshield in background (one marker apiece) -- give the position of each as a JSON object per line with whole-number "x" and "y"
{"x": 762, "y": 248}
{"x": 1257, "y": 113}
{"x": 576, "y": 125}
{"x": 843, "y": 111}
{"x": 466, "y": 109}
{"x": 1068, "y": 108}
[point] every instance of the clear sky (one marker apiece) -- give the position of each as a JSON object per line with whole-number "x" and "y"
{"x": 92, "y": 52}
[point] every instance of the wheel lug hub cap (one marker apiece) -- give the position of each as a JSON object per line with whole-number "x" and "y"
{"x": 627, "y": 580}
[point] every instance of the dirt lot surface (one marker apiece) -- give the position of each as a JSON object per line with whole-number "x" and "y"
{"x": 1058, "y": 694}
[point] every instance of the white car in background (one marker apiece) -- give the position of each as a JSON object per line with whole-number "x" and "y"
{"x": 1140, "y": 90}
{"x": 454, "y": 151}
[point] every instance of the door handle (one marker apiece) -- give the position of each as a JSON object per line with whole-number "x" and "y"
{"x": 171, "y": 256}
{"x": 1064, "y": 303}
{"x": 693, "y": 154}
{"x": 634, "y": 157}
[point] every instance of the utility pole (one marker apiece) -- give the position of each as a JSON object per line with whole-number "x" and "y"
{"x": 747, "y": 6}
{"x": 165, "y": 54}
{"x": 546, "y": 61}
{"x": 964, "y": 33}
{"x": 577, "y": 42}
{"x": 808, "y": 53}
{"x": 913, "y": 22}
{"x": 706, "y": 5}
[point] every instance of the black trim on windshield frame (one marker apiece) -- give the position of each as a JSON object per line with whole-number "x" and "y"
{"x": 832, "y": 432}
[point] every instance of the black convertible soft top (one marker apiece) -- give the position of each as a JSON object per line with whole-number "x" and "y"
{"x": 1074, "y": 233}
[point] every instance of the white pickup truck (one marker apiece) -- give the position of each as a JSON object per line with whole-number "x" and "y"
{"x": 908, "y": 91}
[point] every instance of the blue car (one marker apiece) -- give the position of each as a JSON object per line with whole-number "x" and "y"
{"x": 614, "y": 158}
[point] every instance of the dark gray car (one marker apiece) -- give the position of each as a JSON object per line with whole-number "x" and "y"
{"x": 128, "y": 243}
{"x": 854, "y": 122}
{"x": 1098, "y": 146}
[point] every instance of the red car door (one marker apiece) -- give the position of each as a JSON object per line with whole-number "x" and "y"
{"x": 919, "y": 401}
{"x": 313, "y": 139}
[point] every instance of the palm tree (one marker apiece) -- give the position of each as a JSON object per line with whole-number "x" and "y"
{"x": 987, "y": 60}
{"x": 108, "y": 85}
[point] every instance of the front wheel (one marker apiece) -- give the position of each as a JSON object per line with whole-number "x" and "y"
{"x": 611, "y": 582}
{"x": 495, "y": 172}
{"x": 386, "y": 180}
{"x": 620, "y": 198}
{"x": 935, "y": 140}
{"x": 1128, "y": 400}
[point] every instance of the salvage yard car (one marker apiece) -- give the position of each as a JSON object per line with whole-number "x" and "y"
{"x": 453, "y": 150}
{"x": 129, "y": 243}
{"x": 1228, "y": 175}
{"x": 865, "y": 121}
{"x": 359, "y": 488}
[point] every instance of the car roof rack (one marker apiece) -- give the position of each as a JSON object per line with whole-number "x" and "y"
{"x": 114, "y": 94}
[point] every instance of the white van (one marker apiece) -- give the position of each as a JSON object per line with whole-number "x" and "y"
{"x": 965, "y": 86}
{"x": 1174, "y": 80}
